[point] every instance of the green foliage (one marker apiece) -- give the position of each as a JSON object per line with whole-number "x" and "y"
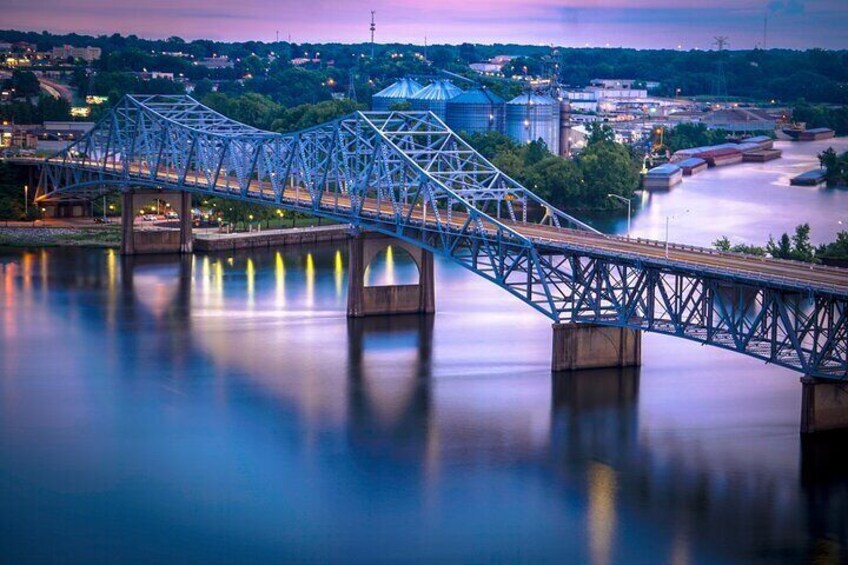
{"x": 400, "y": 106}
{"x": 796, "y": 247}
{"x": 202, "y": 88}
{"x": 835, "y": 250}
{"x": 47, "y": 108}
{"x": 822, "y": 116}
{"x": 835, "y": 165}
{"x": 12, "y": 180}
{"x": 492, "y": 143}
{"x": 600, "y": 133}
{"x": 252, "y": 109}
{"x": 604, "y": 167}
{"x": 607, "y": 169}
{"x": 723, "y": 244}
{"x": 308, "y": 115}
{"x": 686, "y": 136}
{"x": 25, "y": 83}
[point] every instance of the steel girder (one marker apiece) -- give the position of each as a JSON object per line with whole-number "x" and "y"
{"x": 407, "y": 175}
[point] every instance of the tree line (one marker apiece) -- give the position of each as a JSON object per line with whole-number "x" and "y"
{"x": 796, "y": 247}
{"x": 604, "y": 167}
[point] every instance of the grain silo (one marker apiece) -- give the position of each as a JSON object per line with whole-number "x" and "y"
{"x": 476, "y": 110}
{"x": 530, "y": 117}
{"x": 397, "y": 93}
{"x": 434, "y": 97}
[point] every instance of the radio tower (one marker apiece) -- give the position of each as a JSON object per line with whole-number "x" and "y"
{"x": 373, "y": 29}
{"x": 720, "y": 83}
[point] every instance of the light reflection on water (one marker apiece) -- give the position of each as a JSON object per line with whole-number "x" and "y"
{"x": 218, "y": 422}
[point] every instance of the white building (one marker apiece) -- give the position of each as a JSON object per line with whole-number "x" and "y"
{"x": 87, "y": 54}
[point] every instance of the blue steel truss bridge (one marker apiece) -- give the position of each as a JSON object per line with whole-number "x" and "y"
{"x": 406, "y": 175}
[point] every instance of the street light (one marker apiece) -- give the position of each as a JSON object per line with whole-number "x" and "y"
{"x": 26, "y": 200}
{"x": 667, "y": 219}
{"x": 627, "y": 200}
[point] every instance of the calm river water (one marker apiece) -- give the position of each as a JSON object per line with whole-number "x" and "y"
{"x": 222, "y": 408}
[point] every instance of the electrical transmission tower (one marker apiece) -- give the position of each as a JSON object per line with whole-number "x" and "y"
{"x": 351, "y": 85}
{"x": 720, "y": 80}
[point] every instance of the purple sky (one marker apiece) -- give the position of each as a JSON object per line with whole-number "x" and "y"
{"x": 630, "y": 23}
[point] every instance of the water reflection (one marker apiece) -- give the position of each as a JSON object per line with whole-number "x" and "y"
{"x": 298, "y": 432}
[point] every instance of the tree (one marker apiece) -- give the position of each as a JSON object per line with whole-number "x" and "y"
{"x": 802, "y": 249}
{"x": 25, "y": 83}
{"x": 607, "y": 168}
{"x": 308, "y": 115}
{"x": 837, "y": 250}
{"x": 599, "y": 132}
{"x": 557, "y": 180}
{"x": 202, "y": 88}
{"x": 780, "y": 250}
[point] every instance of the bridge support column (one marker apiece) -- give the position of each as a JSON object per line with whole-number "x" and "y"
{"x": 158, "y": 240}
{"x": 387, "y": 300}
{"x": 824, "y": 405}
{"x": 127, "y": 223}
{"x": 185, "y": 222}
{"x": 587, "y": 346}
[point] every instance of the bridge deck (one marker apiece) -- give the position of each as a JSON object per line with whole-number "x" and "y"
{"x": 755, "y": 269}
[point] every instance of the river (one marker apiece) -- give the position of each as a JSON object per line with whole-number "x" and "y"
{"x": 221, "y": 408}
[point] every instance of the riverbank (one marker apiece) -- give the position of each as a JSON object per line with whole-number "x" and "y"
{"x": 49, "y": 236}
{"x": 26, "y": 234}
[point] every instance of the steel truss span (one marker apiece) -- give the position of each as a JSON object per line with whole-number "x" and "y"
{"x": 407, "y": 175}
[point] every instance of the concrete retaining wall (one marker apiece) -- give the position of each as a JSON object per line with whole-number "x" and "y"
{"x": 270, "y": 238}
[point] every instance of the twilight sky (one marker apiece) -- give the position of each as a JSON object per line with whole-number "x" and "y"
{"x": 629, "y": 23}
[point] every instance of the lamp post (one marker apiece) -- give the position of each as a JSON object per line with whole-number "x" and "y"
{"x": 627, "y": 200}
{"x": 667, "y": 220}
{"x": 26, "y": 200}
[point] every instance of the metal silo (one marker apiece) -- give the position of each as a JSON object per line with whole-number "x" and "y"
{"x": 534, "y": 116}
{"x": 399, "y": 92}
{"x": 434, "y": 97}
{"x": 476, "y": 110}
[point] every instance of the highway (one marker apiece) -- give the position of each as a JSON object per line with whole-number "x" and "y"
{"x": 815, "y": 277}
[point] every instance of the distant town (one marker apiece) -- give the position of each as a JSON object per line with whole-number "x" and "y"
{"x": 668, "y": 113}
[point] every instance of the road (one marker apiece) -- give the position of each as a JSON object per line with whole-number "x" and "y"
{"x": 56, "y": 90}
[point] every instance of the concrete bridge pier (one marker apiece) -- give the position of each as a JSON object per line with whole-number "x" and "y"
{"x": 138, "y": 242}
{"x": 588, "y": 346}
{"x": 387, "y": 300}
{"x": 824, "y": 405}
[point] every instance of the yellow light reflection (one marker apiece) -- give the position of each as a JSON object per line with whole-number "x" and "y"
{"x": 390, "y": 266}
{"x": 205, "y": 275}
{"x": 219, "y": 280}
{"x": 111, "y": 269}
{"x": 251, "y": 279}
{"x": 338, "y": 272}
{"x": 280, "y": 276}
{"x": 27, "y": 270}
{"x": 43, "y": 270}
{"x": 602, "y": 485}
{"x": 310, "y": 281}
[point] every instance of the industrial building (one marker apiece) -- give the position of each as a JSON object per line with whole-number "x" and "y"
{"x": 530, "y": 117}
{"x": 434, "y": 97}
{"x": 476, "y": 110}
{"x": 397, "y": 93}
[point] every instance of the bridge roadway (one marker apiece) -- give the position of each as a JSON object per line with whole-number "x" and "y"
{"x": 756, "y": 269}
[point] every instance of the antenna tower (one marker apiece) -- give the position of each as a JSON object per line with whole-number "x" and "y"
{"x": 373, "y": 28}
